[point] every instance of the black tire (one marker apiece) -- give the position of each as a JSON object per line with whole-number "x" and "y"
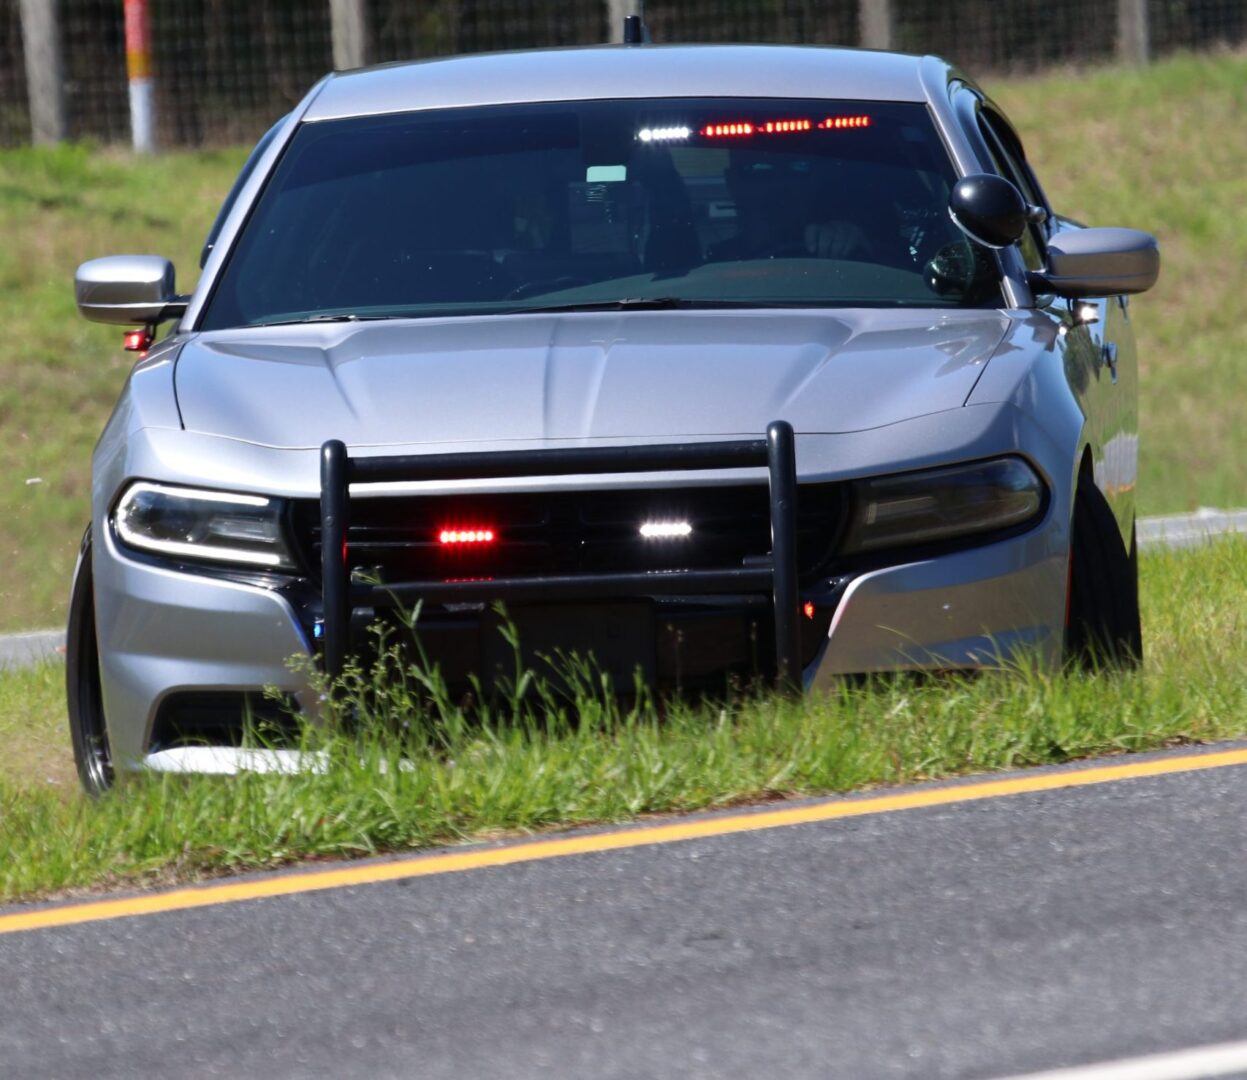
{"x": 1103, "y": 629}
{"x": 87, "y": 728}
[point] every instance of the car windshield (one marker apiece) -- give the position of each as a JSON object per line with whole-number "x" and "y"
{"x": 597, "y": 204}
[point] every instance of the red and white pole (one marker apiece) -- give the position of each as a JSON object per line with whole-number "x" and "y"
{"x": 139, "y": 68}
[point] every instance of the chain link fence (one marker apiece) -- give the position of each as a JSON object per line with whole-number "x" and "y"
{"x": 225, "y": 69}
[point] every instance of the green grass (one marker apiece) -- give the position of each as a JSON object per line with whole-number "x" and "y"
{"x": 1159, "y": 148}
{"x": 33, "y": 730}
{"x": 468, "y": 780}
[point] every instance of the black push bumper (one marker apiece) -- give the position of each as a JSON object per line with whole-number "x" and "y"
{"x": 774, "y": 578}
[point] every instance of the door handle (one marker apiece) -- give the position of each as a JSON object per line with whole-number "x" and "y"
{"x": 1108, "y": 353}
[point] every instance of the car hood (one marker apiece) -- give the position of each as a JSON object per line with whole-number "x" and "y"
{"x": 643, "y": 375}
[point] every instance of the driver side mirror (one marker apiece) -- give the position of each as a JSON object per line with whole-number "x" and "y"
{"x": 129, "y": 290}
{"x": 989, "y": 209}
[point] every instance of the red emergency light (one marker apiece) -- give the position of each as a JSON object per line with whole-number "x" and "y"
{"x": 466, "y": 537}
{"x": 138, "y": 340}
{"x": 743, "y": 128}
{"x": 784, "y": 127}
{"x": 833, "y": 123}
{"x": 772, "y": 127}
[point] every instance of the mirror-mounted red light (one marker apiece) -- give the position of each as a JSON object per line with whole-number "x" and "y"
{"x": 139, "y": 340}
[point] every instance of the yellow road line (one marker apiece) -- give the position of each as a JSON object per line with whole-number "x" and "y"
{"x": 642, "y": 836}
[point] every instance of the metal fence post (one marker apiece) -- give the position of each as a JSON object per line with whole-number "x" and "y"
{"x": 1133, "y": 44}
{"x": 350, "y": 34}
{"x": 139, "y": 69}
{"x": 41, "y": 46}
{"x": 616, "y": 12}
{"x": 876, "y": 24}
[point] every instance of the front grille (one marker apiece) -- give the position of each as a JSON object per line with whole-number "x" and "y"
{"x": 572, "y": 531}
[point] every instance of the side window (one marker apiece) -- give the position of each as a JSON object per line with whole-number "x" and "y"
{"x": 1010, "y": 163}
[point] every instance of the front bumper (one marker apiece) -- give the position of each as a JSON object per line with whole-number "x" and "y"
{"x": 970, "y": 609}
{"x": 164, "y": 632}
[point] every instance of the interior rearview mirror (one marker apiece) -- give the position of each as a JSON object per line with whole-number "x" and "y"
{"x": 130, "y": 290}
{"x": 989, "y": 209}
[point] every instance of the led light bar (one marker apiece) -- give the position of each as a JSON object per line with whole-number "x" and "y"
{"x": 728, "y": 129}
{"x": 772, "y": 127}
{"x": 663, "y": 134}
{"x": 456, "y": 537}
{"x": 834, "y": 122}
{"x": 783, "y": 127}
{"x": 666, "y": 530}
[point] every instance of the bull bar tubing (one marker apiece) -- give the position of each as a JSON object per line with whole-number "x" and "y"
{"x": 777, "y": 452}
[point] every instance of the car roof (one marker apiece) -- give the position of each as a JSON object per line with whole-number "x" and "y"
{"x": 621, "y": 71}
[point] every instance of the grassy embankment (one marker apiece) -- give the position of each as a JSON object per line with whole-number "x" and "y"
{"x": 465, "y": 780}
{"x": 1159, "y": 148}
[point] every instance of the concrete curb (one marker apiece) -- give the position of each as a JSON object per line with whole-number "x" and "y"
{"x": 1170, "y": 530}
{"x": 1189, "y": 530}
{"x": 26, "y": 650}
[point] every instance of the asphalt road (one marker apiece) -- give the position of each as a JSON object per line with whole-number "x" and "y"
{"x": 974, "y": 940}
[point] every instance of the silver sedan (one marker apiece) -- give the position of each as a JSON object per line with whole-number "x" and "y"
{"x": 719, "y": 362}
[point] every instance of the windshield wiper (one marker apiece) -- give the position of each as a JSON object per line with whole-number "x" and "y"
{"x": 636, "y": 303}
{"x": 345, "y": 316}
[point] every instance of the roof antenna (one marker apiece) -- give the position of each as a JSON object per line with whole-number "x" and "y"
{"x": 635, "y": 31}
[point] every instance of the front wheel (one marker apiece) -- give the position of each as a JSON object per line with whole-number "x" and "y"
{"x": 87, "y": 728}
{"x": 1103, "y": 629}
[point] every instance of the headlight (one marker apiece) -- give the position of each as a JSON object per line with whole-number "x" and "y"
{"x": 940, "y": 504}
{"x": 215, "y": 526}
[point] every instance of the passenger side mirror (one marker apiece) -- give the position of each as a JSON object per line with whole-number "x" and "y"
{"x": 1099, "y": 262}
{"x": 129, "y": 290}
{"x": 989, "y": 209}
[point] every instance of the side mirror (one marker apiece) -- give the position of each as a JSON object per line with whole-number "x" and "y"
{"x": 130, "y": 290}
{"x": 1099, "y": 262}
{"x": 989, "y": 209}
